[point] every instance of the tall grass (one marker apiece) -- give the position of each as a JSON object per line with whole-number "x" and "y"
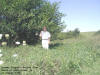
{"x": 75, "y": 56}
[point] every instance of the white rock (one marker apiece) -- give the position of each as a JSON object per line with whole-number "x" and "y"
{"x": 1, "y": 62}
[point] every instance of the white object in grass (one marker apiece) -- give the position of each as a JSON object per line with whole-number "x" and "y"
{"x": 15, "y": 55}
{"x": 7, "y": 36}
{"x": 1, "y": 36}
{"x": 1, "y": 55}
{"x": 1, "y": 62}
{"x": 24, "y": 42}
{"x": 4, "y": 43}
{"x": 36, "y": 34}
{"x": 17, "y": 43}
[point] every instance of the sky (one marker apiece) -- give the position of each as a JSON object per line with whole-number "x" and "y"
{"x": 82, "y": 14}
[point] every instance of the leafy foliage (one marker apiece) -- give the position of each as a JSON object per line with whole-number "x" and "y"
{"x": 22, "y": 19}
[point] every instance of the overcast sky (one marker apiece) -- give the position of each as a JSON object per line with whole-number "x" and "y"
{"x": 82, "y": 14}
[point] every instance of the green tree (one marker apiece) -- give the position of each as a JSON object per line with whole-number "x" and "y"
{"x": 76, "y": 32}
{"x": 22, "y": 19}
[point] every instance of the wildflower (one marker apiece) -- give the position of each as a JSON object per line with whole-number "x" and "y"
{"x": 1, "y": 62}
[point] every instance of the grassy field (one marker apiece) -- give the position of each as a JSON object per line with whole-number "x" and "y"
{"x": 74, "y": 56}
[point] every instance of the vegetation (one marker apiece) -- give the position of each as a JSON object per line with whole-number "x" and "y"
{"x": 23, "y": 19}
{"x": 97, "y": 33}
{"x": 71, "y": 34}
{"x": 74, "y": 56}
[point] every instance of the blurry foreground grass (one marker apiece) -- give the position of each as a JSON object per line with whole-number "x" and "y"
{"x": 75, "y": 56}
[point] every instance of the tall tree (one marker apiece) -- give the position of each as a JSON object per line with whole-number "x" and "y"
{"x": 25, "y": 18}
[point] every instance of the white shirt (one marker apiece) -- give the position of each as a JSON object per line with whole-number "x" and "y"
{"x": 45, "y": 35}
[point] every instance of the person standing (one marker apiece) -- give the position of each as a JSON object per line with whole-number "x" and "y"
{"x": 45, "y": 36}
